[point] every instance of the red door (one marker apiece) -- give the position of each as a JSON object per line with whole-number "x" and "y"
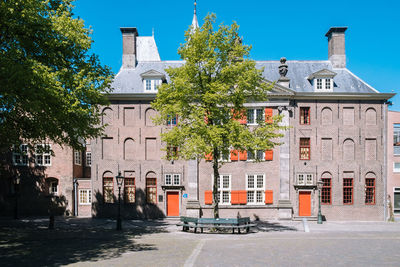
{"x": 172, "y": 203}
{"x": 304, "y": 203}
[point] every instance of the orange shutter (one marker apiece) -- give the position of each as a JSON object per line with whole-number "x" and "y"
{"x": 208, "y": 197}
{"x": 243, "y": 118}
{"x": 206, "y": 119}
{"x": 269, "y": 197}
{"x": 234, "y": 155}
{"x": 269, "y": 154}
{"x": 243, "y": 155}
{"x": 242, "y": 196}
{"x": 268, "y": 115}
{"x": 209, "y": 157}
{"x": 235, "y": 197}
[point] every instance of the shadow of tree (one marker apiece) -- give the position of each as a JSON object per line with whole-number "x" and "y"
{"x": 265, "y": 226}
{"x": 29, "y": 243}
{"x": 138, "y": 210}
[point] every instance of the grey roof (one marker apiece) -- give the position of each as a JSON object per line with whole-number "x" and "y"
{"x": 147, "y": 49}
{"x": 129, "y": 80}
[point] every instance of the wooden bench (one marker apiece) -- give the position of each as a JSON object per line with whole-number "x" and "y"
{"x": 220, "y": 223}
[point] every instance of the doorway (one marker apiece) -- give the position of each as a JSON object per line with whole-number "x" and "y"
{"x": 304, "y": 203}
{"x": 172, "y": 203}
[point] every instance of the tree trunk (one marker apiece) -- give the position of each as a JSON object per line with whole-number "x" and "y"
{"x": 215, "y": 185}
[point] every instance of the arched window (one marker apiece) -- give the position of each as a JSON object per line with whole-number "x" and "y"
{"x": 151, "y": 188}
{"x": 326, "y": 116}
{"x": 370, "y": 188}
{"x": 370, "y": 116}
{"x": 129, "y": 149}
{"x": 108, "y": 187}
{"x": 52, "y": 186}
{"x": 107, "y": 116}
{"x": 348, "y": 149}
{"x": 150, "y": 114}
{"x": 326, "y": 193}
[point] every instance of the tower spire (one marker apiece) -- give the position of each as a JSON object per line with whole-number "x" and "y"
{"x": 195, "y": 23}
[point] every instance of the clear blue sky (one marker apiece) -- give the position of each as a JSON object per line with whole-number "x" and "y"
{"x": 294, "y": 29}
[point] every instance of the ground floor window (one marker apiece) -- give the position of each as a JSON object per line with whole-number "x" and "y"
{"x": 370, "y": 191}
{"x": 348, "y": 191}
{"x": 151, "y": 189}
{"x": 224, "y": 189}
{"x": 53, "y": 189}
{"x": 326, "y": 193}
{"x": 85, "y": 196}
{"x": 255, "y": 187}
{"x": 129, "y": 190}
{"x": 108, "y": 189}
{"x": 396, "y": 200}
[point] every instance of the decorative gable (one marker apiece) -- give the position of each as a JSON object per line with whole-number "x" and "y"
{"x": 322, "y": 74}
{"x": 153, "y": 74}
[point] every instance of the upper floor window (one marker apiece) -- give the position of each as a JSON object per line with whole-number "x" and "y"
{"x": 323, "y": 84}
{"x": 255, "y": 115}
{"x": 396, "y": 139}
{"x": 304, "y": 115}
{"x": 172, "y": 179}
{"x": 305, "y": 149}
{"x": 255, "y": 155}
{"x": 88, "y": 159}
{"x": 305, "y": 179}
{"x": 20, "y": 155}
{"x": 151, "y": 85}
{"x": 43, "y": 155}
{"x": 172, "y": 120}
{"x": 77, "y": 158}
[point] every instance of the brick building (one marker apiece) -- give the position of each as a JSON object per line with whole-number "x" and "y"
{"x": 393, "y": 162}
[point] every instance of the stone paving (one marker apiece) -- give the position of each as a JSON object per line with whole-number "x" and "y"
{"x": 95, "y": 242}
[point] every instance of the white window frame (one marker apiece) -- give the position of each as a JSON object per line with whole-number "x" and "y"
{"x": 45, "y": 157}
{"x": 254, "y": 111}
{"x": 305, "y": 179}
{"x": 322, "y": 87}
{"x": 88, "y": 159}
{"x": 228, "y": 159}
{"x": 226, "y": 189}
{"x": 173, "y": 178}
{"x": 255, "y": 189}
{"x": 154, "y": 83}
{"x": 88, "y": 197}
{"x": 22, "y": 156}
{"x": 77, "y": 158}
{"x": 51, "y": 192}
{"x": 394, "y": 167}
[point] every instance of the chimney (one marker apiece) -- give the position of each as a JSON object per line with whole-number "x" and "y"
{"x": 129, "y": 35}
{"x": 336, "y": 46}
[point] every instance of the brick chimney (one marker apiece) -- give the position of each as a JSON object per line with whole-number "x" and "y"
{"x": 129, "y": 35}
{"x": 336, "y": 46}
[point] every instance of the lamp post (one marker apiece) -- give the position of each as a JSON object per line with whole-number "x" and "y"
{"x": 120, "y": 180}
{"x": 320, "y": 183}
{"x": 17, "y": 180}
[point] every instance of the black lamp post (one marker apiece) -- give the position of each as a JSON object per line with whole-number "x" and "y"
{"x": 17, "y": 180}
{"x": 120, "y": 180}
{"x": 320, "y": 183}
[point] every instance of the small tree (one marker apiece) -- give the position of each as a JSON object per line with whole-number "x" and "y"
{"x": 51, "y": 86}
{"x": 208, "y": 93}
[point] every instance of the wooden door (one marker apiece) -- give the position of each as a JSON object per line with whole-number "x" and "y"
{"x": 304, "y": 203}
{"x": 172, "y": 203}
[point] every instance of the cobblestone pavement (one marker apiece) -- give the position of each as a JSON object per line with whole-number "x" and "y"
{"x": 95, "y": 242}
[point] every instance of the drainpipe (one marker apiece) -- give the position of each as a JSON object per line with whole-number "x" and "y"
{"x": 76, "y": 197}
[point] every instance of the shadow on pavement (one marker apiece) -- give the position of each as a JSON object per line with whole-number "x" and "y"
{"x": 265, "y": 226}
{"x": 30, "y": 243}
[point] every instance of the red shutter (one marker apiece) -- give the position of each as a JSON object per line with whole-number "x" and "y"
{"x": 243, "y": 118}
{"x": 238, "y": 197}
{"x": 235, "y": 197}
{"x": 242, "y": 196}
{"x": 209, "y": 157}
{"x": 208, "y": 197}
{"x": 268, "y": 115}
{"x": 269, "y": 154}
{"x": 269, "y": 197}
{"x": 243, "y": 155}
{"x": 234, "y": 155}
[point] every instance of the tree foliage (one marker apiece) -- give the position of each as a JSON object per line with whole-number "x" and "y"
{"x": 50, "y": 84}
{"x": 208, "y": 94}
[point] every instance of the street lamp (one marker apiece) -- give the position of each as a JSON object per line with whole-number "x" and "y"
{"x": 120, "y": 180}
{"x": 320, "y": 183}
{"x": 17, "y": 180}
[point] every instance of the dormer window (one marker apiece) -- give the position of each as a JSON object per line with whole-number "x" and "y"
{"x": 151, "y": 85}
{"x": 152, "y": 79}
{"x": 319, "y": 83}
{"x": 323, "y": 84}
{"x": 322, "y": 80}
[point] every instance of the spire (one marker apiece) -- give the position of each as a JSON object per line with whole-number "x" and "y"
{"x": 195, "y": 23}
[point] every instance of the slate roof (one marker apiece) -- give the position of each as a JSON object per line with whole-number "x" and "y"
{"x": 129, "y": 81}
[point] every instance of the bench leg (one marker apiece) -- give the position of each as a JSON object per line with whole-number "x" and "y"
{"x": 195, "y": 229}
{"x": 201, "y": 229}
{"x": 233, "y": 230}
{"x": 239, "y": 230}
{"x": 247, "y": 229}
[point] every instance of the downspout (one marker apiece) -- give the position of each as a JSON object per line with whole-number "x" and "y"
{"x": 76, "y": 197}
{"x": 385, "y": 127}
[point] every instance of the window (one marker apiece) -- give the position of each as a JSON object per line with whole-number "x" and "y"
{"x": 305, "y": 148}
{"x": 88, "y": 159}
{"x": 370, "y": 191}
{"x": 324, "y": 84}
{"x": 396, "y": 166}
{"x": 255, "y": 155}
{"x": 20, "y": 155}
{"x": 348, "y": 191}
{"x": 327, "y": 84}
{"x": 304, "y": 115}
{"x": 42, "y": 155}
{"x": 108, "y": 189}
{"x": 172, "y": 152}
{"x": 396, "y": 200}
{"x": 85, "y": 196}
{"x": 151, "y": 188}
{"x": 172, "y": 120}
{"x": 224, "y": 189}
{"x": 151, "y": 85}
{"x": 319, "y": 83}
{"x": 255, "y": 115}
{"x": 305, "y": 179}
{"x": 326, "y": 193}
{"x": 396, "y": 139}
{"x": 255, "y": 187}
{"x": 77, "y": 158}
{"x": 172, "y": 179}
{"x": 129, "y": 190}
{"x": 53, "y": 188}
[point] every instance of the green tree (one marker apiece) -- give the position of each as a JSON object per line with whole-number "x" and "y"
{"x": 208, "y": 93}
{"x": 51, "y": 86}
